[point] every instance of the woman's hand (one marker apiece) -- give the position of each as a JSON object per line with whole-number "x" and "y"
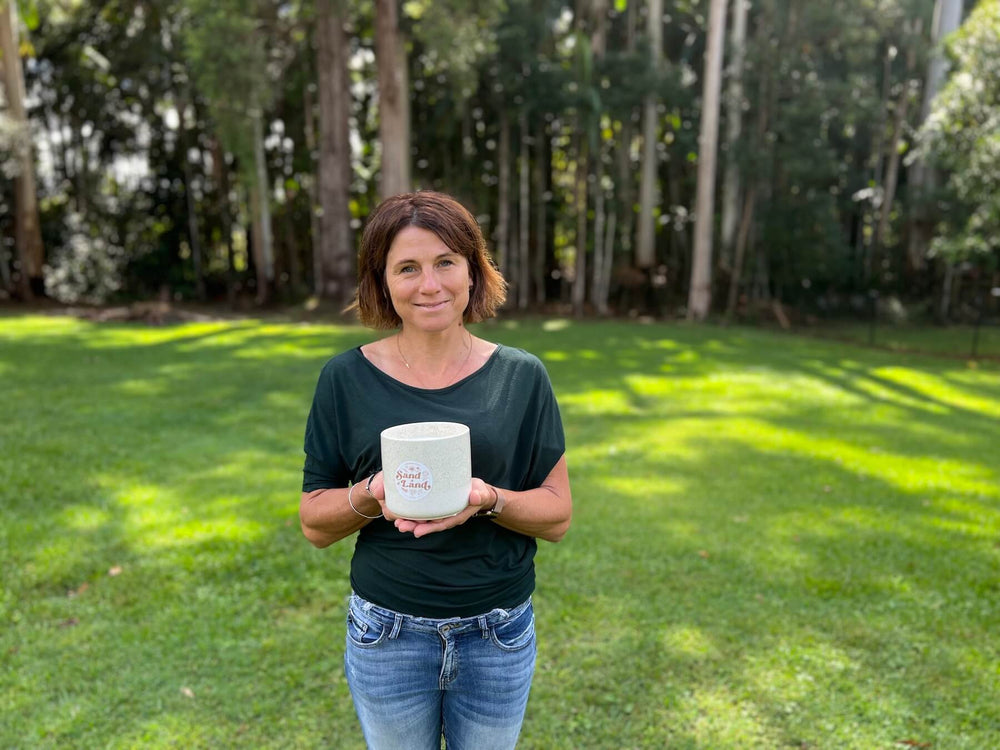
{"x": 377, "y": 490}
{"x": 480, "y": 495}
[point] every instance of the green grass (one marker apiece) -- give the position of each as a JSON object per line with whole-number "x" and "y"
{"x": 778, "y": 542}
{"x": 954, "y": 340}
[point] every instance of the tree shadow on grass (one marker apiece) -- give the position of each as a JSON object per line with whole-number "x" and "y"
{"x": 589, "y": 360}
{"x": 188, "y": 612}
{"x": 175, "y": 464}
{"x": 854, "y": 625}
{"x": 213, "y": 643}
{"x": 890, "y": 586}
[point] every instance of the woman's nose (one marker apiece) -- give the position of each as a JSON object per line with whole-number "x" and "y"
{"x": 429, "y": 282}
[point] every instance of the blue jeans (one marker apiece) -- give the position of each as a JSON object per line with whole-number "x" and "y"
{"x": 414, "y": 678}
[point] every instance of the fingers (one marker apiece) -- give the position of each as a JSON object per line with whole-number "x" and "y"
{"x": 423, "y": 528}
{"x": 376, "y": 487}
{"x": 479, "y": 494}
{"x": 405, "y": 525}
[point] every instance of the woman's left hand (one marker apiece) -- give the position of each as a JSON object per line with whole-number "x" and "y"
{"x": 480, "y": 495}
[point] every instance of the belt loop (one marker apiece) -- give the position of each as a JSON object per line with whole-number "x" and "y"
{"x": 397, "y": 624}
{"x": 482, "y": 626}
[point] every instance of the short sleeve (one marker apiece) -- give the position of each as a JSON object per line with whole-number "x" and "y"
{"x": 548, "y": 439}
{"x": 324, "y": 467}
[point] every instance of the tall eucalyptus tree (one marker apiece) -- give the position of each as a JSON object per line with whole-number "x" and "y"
{"x": 645, "y": 249}
{"x": 27, "y": 229}
{"x": 947, "y": 17}
{"x": 393, "y": 102}
{"x": 333, "y": 248}
{"x": 731, "y": 186}
{"x": 700, "y": 294}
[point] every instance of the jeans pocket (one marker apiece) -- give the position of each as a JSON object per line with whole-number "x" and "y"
{"x": 515, "y": 633}
{"x": 362, "y": 631}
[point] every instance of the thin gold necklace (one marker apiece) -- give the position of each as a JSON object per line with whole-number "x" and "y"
{"x": 465, "y": 361}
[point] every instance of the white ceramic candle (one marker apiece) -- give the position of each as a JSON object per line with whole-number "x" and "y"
{"x": 427, "y": 469}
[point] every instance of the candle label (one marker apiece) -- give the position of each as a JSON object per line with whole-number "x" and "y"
{"x": 413, "y": 480}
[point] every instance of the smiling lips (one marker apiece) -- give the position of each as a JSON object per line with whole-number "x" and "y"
{"x": 431, "y": 305}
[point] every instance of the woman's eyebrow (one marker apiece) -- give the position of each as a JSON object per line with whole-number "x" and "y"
{"x": 403, "y": 261}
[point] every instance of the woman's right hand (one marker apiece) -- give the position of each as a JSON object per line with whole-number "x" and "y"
{"x": 376, "y": 490}
{"x": 375, "y": 487}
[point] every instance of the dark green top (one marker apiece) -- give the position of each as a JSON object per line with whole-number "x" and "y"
{"x": 516, "y": 436}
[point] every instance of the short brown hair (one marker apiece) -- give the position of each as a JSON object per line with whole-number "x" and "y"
{"x": 457, "y": 228}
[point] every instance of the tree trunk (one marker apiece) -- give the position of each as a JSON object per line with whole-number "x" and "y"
{"x": 524, "y": 216}
{"x": 734, "y": 125}
{"x": 27, "y": 227}
{"x": 604, "y": 236}
{"x": 260, "y": 207}
{"x": 739, "y": 252}
{"x": 947, "y": 18}
{"x": 194, "y": 233}
{"x": 309, "y": 130}
{"x": 700, "y": 296}
{"x": 645, "y": 249}
{"x": 598, "y": 48}
{"x": 680, "y": 246}
{"x": 599, "y": 27}
{"x": 502, "y": 236}
{"x": 765, "y": 101}
{"x": 625, "y": 178}
{"x": 600, "y": 217}
{"x": 393, "y": 126}
{"x": 541, "y": 213}
{"x": 892, "y": 170}
{"x": 295, "y": 279}
{"x": 334, "y": 249}
{"x": 580, "y": 199}
{"x": 221, "y": 179}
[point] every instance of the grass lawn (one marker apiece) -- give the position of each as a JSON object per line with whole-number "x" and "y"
{"x": 778, "y": 542}
{"x": 953, "y": 340}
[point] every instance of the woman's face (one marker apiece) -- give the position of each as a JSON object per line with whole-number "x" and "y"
{"x": 428, "y": 281}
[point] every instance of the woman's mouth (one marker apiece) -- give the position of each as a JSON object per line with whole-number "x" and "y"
{"x": 430, "y": 306}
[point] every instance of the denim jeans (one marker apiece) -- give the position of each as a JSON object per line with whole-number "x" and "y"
{"x": 414, "y": 678}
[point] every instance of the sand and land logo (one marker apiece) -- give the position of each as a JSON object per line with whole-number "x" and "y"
{"x": 413, "y": 480}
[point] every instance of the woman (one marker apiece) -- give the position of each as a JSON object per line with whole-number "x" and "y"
{"x": 440, "y": 627}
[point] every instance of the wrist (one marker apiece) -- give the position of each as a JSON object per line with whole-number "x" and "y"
{"x": 494, "y": 510}
{"x": 350, "y": 501}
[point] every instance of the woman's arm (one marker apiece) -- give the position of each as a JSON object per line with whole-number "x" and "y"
{"x": 327, "y": 516}
{"x": 543, "y": 512}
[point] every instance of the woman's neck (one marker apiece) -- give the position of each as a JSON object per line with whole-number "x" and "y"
{"x": 435, "y": 357}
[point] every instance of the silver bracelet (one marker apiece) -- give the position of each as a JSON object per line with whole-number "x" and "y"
{"x": 351, "y": 503}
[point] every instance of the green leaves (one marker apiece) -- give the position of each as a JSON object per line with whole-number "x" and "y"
{"x": 28, "y": 9}
{"x": 962, "y": 136}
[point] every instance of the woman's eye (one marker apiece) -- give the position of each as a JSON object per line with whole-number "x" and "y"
{"x": 447, "y": 262}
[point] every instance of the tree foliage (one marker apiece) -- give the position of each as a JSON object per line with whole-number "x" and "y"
{"x": 151, "y": 117}
{"x": 962, "y": 136}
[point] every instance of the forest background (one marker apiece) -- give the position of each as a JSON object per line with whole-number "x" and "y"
{"x": 664, "y": 158}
